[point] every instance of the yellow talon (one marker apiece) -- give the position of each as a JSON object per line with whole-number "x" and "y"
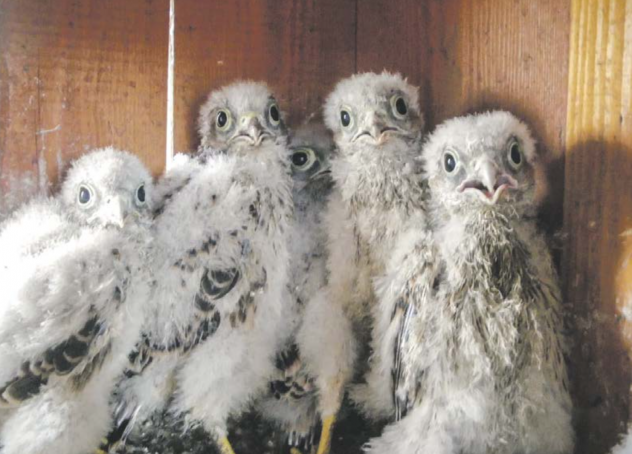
{"x": 103, "y": 448}
{"x": 325, "y": 436}
{"x": 225, "y": 446}
{"x": 295, "y": 451}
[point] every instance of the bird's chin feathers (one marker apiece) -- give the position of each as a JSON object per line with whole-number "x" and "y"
{"x": 371, "y": 174}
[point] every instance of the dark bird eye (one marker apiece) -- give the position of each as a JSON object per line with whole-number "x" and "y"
{"x": 449, "y": 162}
{"x": 299, "y": 159}
{"x": 401, "y": 106}
{"x": 515, "y": 155}
{"x": 400, "y": 109}
{"x": 345, "y": 118}
{"x": 222, "y": 120}
{"x": 85, "y": 195}
{"x": 303, "y": 159}
{"x": 275, "y": 116}
{"x": 140, "y": 194}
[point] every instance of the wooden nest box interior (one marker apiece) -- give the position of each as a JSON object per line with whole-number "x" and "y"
{"x": 81, "y": 74}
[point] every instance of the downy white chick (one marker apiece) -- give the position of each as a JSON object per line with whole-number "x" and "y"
{"x": 378, "y": 198}
{"x": 74, "y": 285}
{"x": 221, "y": 267}
{"x": 319, "y": 349}
{"x": 482, "y": 355}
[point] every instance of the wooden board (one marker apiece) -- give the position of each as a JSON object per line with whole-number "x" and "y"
{"x": 472, "y": 55}
{"x": 77, "y": 74}
{"x": 80, "y": 74}
{"x": 299, "y": 48}
{"x": 597, "y": 215}
{"x": 394, "y": 36}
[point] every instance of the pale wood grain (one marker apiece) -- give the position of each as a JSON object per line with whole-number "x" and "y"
{"x": 598, "y": 212}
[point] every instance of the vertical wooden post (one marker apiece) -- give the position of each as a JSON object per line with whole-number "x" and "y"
{"x": 597, "y": 213}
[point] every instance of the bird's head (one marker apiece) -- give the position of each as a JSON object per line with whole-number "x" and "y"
{"x": 107, "y": 188}
{"x": 484, "y": 162}
{"x": 311, "y": 147}
{"x": 372, "y": 110}
{"x": 240, "y": 117}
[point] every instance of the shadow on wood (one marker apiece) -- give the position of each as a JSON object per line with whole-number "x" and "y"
{"x": 597, "y": 214}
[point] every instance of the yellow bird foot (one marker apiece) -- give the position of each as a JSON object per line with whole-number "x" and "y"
{"x": 225, "y": 447}
{"x": 104, "y": 447}
{"x": 325, "y": 436}
{"x": 295, "y": 451}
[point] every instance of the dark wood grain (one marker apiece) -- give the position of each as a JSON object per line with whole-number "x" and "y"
{"x": 472, "y": 55}
{"x": 80, "y": 74}
{"x": 299, "y": 48}
{"x": 395, "y": 36}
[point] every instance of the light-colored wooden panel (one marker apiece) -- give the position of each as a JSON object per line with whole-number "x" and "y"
{"x": 597, "y": 214}
{"x": 493, "y": 54}
{"x": 299, "y": 48}
{"x": 79, "y": 74}
{"x": 512, "y": 55}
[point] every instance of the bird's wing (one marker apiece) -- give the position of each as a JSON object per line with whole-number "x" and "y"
{"x": 207, "y": 225}
{"x": 55, "y": 309}
{"x": 291, "y": 380}
{"x": 420, "y": 274}
{"x": 204, "y": 237}
{"x": 402, "y": 394}
{"x": 182, "y": 170}
{"x": 542, "y": 288}
{"x": 31, "y": 229}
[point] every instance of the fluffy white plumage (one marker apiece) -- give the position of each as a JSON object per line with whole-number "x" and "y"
{"x": 378, "y": 198}
{"x": 73, "y": 286}
{"x": 319, "y": 352}
{"x": 482, "y": 356}
{"x": 221, "y": 266}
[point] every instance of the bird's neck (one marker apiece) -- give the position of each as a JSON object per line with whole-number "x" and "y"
{"x": 488, "y": 242}
{"x": 375, "y": 179}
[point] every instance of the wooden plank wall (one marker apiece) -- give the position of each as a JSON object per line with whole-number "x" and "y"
{"x": 471, "y": 55}
{"x": 80, "y": 73}
{"x": 299, "y": 47}
{"x": 598, "y": 212}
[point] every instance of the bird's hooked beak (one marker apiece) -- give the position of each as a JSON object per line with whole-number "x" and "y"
{"x": 489, "y": 182}
{"x": 250, "y": 129}
{"x": 115, "y": 212}
{"x": 322, "y": 173}
{"x": 376, "y": 130}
